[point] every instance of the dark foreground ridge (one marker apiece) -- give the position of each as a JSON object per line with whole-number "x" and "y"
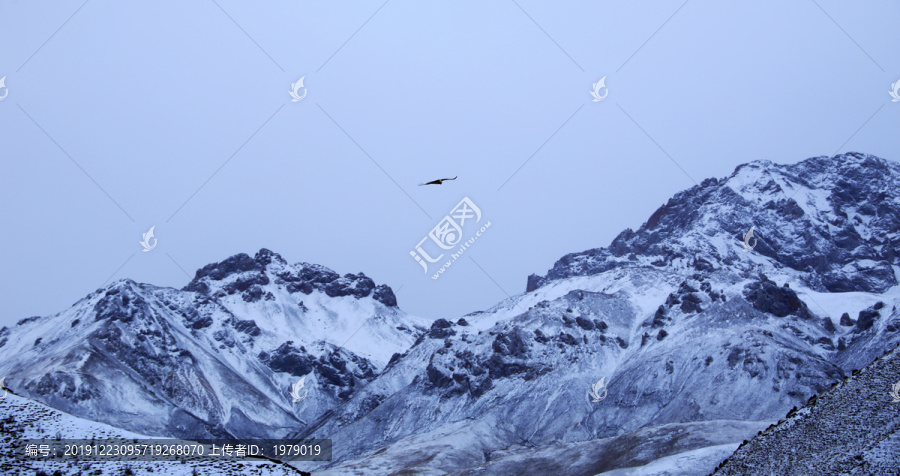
{"x": 854, "y": 428}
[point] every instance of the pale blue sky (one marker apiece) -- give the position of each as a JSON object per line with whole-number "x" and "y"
{"x": 145, "y": 102}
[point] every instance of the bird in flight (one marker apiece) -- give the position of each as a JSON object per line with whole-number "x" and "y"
{"x": 438, "y": 181}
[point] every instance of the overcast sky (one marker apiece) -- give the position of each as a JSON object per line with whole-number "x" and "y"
{"x": 120, "y": 116}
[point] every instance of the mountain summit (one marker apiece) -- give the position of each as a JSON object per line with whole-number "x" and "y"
{"x": 216, "y": 358}
{"x": 833, "y": 222}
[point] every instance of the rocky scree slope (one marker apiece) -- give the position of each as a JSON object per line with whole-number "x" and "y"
{"x": 854, "y": 428}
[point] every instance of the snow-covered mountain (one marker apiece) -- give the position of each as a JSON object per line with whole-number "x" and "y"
{"x": 682, "y": 323}
{"x": 854, "y": 428}
{"x": 701, "y": 333}
{"x": 216, "y": 358}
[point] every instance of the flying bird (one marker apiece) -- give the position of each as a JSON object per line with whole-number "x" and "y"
{"x": 438, "y": 181}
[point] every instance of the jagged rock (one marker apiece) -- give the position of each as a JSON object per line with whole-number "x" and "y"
{"x": 441, "y": 329}
{"x": 846, "y": 321}
{"x": 766, "y": 296}
{"x": 287, "y": 358}
{"x": 247, "y": 327}
{"x": 356, "y": 285}
{"x": 585, "y": 324}
{"x": 866, "y": 319}
{"x": 691, "y": 303}
{"x": 385, "y": 295}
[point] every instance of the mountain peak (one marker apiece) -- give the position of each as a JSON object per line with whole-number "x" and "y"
{"x": 814, "y": 217}
{"x": 242, "y": 274}
{"x": 266, "y": 256}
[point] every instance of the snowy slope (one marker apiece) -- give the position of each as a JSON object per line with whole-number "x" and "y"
{"x": 683, "y": 324}
{"x": 216, "y": 358}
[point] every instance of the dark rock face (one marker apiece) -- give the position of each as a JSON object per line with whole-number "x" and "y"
{"x": 385, "y": 295}
{"x": 251, "y": 274}
{"x": 246, "y": 282}
{"x": 254, "y": 294}
{"x": 340, "y": 369}
{"x": 62, "y": 385}
{"x": 534, "y": 282}
{"x": 302, "y": 287}
{"x": 585, "y": 324}
{"x": 441, "y": 329}
{"x": 846, "y": 321}
{"x": 264, "y": 257}
{"x": 455, "y": 373}
{"x": 238, "y": 263}
{"x": 828, "y": 325}
{"x": 205, "y": 321}
{"x": 356, "y": 285}
{"x": 510, "y": 344}
{"x": 287, "y": 358}
{"x": 248, "y": 327}
{"x": 567, "y": 339}
{"x": 659, "y": 317}
{"x": 766, "y": 296}
{"x": 691, "y": 303}
{"x": 866, "y": 319}
{"x": 121, "y": 304}
{"x": 435, "y": 377}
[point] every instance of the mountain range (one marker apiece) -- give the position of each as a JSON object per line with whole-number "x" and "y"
{"x": 739, "y": 299}
{"x": 216, "y": 358}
